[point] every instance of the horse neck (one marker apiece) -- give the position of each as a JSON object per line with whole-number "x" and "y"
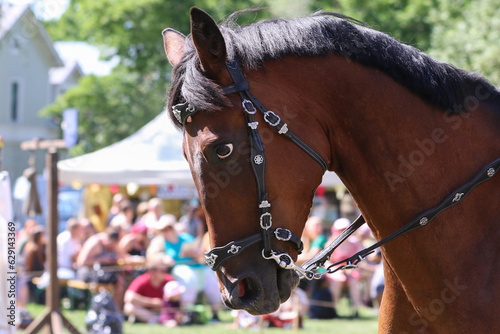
{"x": 388, "y": 146}
{"x": 392, "y": 149}
{"x": 397, "y": 155}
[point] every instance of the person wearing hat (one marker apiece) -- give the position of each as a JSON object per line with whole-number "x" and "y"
{"x": 134, "y": 243}
{"x": 171, "y": 313}
{"x": 143, "y": 299}
{"x": 156, "y": 248}
{"x": 350, "y": 277}
{"x": 313, "y": 238}
{"x": 184, "y": 253}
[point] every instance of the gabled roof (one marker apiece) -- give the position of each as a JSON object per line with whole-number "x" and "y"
{"x": 58, "y": 75}
{"x": 11, "y": 14}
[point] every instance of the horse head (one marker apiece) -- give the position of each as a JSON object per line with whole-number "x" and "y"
{"x": 241, "y": 189}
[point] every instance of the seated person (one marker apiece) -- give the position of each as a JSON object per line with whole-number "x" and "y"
{"x": 189, "y": 269}
{"x": 134, "y": 243}
{"x": 313, "y": 238}
{"x": 156, "y": 248}
{"x": 144, "y": 297}
{"x": 350, "y": 277}
{"x": 99, "y": 248}
{"x": 69, "y": 244}
{"x": 34, "y": 264}
{"x": 171, "y": 313}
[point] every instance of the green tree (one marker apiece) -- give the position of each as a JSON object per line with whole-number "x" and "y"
{"x": 115, "y": 106}
{"x": 406, "y": 20}
{"x": 469, "y": 36}
{"x": 110, "y": 107}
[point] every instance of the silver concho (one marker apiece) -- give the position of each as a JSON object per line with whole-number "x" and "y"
{"x": 210, "y": 260}
{"x": 423, "y": 221}
{"x": 234, "y": 249}
{"x": 258, "y": 159}
{"x": 490, "y": 172}
{"x": 458, "y": 197}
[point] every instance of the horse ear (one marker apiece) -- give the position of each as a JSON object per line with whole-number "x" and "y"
{"x": 174, "y": 43}
{"x": 209, "y": 42}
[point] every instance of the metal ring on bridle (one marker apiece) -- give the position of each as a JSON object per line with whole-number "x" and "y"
{"x": 285, "y": 261}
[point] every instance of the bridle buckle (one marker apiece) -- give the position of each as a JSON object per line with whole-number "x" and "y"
{"x": 248, "y": 107}
{"x": 278, "y": 232}
{"x": 269, "y": 116}
{"x": 263, "y": 221}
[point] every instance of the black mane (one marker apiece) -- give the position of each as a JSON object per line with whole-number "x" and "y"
{"x": 440, "y": 84}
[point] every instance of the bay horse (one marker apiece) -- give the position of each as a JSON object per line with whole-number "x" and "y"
{"x": 401, "y": 130}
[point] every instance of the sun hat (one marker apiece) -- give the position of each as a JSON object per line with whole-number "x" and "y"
{"x": 156, "y": 263}
{"x": 340, "y": 224}
{"x": 173, "y": 288}
{"x": 139, "y": 227}
{"x": 164, "y": 221}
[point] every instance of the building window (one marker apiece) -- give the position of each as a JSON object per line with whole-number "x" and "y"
{"x": 14, "y": 101}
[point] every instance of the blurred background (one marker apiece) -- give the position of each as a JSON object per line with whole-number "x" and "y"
{"x": 90, "y": 77}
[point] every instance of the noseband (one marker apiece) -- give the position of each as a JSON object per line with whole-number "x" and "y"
{"x": 215, "y": 257}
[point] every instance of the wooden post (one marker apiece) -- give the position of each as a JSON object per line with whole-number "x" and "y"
{"x": 52, "y": 317}
{"x": 1, "y": 146}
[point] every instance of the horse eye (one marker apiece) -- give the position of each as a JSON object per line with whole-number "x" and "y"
{"x": 223, "y": 151}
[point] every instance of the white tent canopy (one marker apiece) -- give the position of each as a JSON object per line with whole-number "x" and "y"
{"x": 152, "y": 155}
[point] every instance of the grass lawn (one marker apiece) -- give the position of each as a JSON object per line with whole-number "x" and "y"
{"x": 366, "y": 324}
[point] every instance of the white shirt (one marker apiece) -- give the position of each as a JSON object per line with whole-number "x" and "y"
{"x": 66, "y": 249}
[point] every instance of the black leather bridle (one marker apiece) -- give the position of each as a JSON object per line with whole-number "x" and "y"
{"x": 215, "y": 257}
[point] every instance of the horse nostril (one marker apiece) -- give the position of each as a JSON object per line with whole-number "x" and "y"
{"x": 248, "y": 289}
{"x": 241, "y": 288}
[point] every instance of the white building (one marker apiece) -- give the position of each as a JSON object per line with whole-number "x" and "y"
{"x": 32, "y": 75}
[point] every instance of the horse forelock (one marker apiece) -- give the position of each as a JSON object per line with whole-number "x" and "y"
{"x": 438, "y": 83}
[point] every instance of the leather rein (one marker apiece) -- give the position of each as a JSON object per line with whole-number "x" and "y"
{"x": 309, "y": 270}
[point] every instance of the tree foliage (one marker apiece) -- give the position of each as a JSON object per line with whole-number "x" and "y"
{"x": 110, "y": 107}
{"x": 117, "y": 105}
{"x": 406, "y": 20}
{"x": 469, "y": 36}
{"x": 463, "y": 32}
{"x": 132, "y": 28}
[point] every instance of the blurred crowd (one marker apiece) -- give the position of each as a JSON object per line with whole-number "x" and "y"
{"x": 155, "y": 263}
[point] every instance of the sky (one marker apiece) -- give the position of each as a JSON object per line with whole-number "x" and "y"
{"x": 45, "y": 9}
{"x": 86, "y": 55}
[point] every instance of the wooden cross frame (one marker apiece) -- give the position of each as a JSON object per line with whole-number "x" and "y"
{"x": 52, "y": 318}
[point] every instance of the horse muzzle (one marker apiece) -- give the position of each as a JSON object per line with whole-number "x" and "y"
{"x": 259, "y": 291}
